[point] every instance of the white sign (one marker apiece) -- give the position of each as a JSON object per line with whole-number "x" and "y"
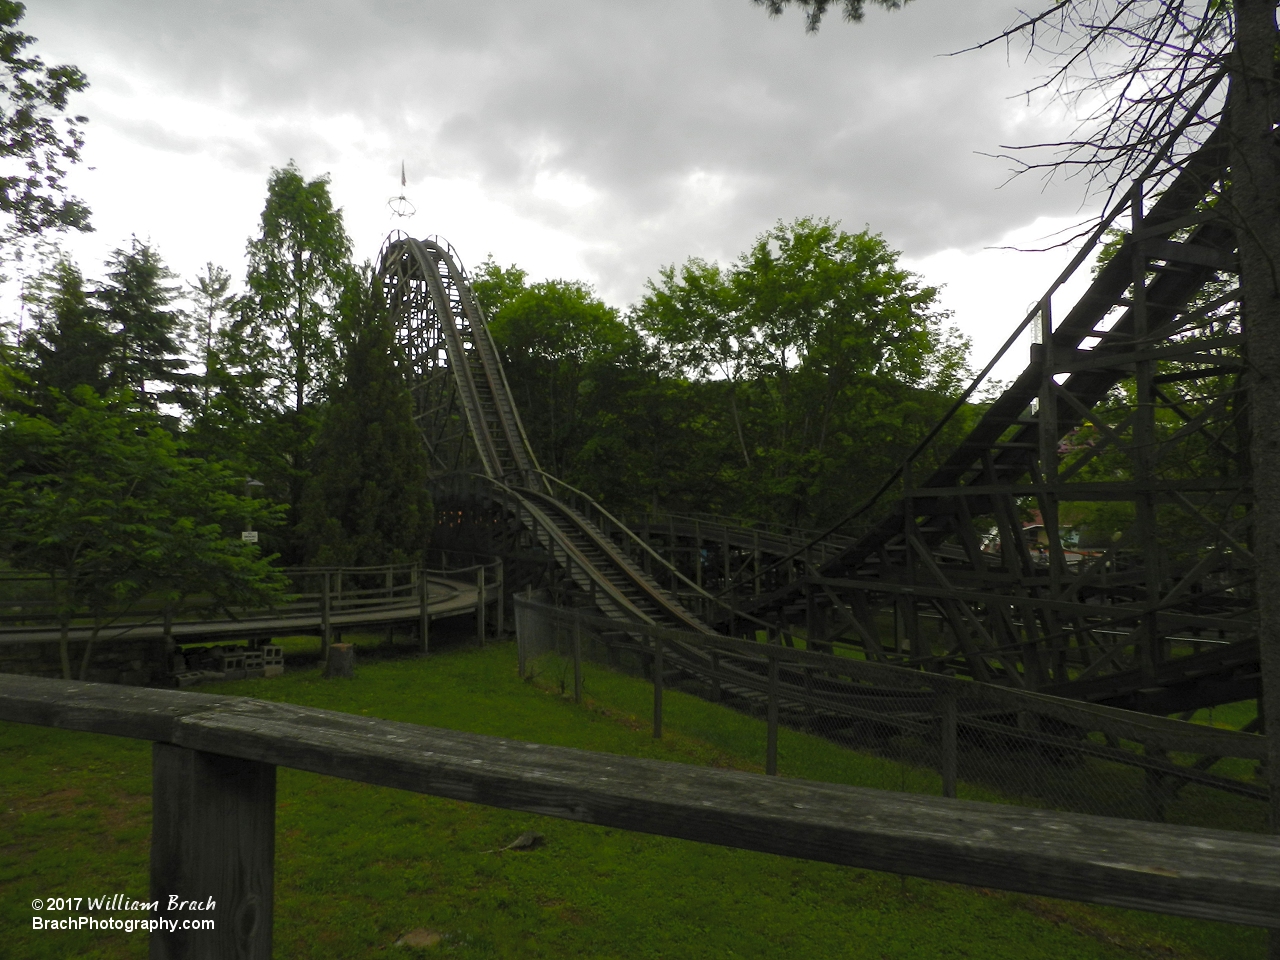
{"x": 249, "y": 536}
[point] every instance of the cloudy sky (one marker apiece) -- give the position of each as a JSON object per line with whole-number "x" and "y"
{"x": 587, "y": 139}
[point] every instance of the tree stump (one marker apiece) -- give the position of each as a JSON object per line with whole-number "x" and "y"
{"x": 341, "y": 662}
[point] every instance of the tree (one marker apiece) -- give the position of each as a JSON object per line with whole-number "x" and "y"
{"x": 135, "y": 301}
{"x": 495, "y": 286}
{"x": 35, "y": 199}
{"x": 213, "y": 305}
{"x": 70, "y": 344}
{"x": 100, "y": 498}
{"x": 558, "y": 339}
{"x": 826, "y": 350}
{"x": 367, "y": 501}
{"x": 297, "y": 269}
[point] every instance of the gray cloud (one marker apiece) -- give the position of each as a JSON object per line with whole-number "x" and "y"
{"x": 691, "y": 124}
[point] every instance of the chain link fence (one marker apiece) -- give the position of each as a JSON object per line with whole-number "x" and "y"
{"x": 932, "y": 733}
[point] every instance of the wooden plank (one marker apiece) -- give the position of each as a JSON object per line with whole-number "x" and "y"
{"x": 212, "y": 854}
{"x": 1210, "y": 874}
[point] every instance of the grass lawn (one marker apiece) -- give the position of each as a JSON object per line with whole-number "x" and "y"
{"x": 358, "y": 866}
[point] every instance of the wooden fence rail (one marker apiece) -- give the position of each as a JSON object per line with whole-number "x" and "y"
{"x": 323, "y": 599}
{"x": 934, "y": 706}
{"x": 213, "y": 814}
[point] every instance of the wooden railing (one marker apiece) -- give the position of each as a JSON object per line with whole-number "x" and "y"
{"x": 322, "y": 600}
{"x": 215, "y": 757}
{"x": 813, "y": 688}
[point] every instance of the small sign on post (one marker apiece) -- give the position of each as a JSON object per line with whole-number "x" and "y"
{"x": 249, "y": 536}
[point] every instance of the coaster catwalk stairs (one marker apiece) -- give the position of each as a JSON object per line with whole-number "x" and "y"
{"x": 1130, "y": 418}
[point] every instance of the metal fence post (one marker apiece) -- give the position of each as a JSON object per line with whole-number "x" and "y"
{"x": 715, "y": 677}
{"x": 480, "y": 605}
{"x": 657, "y": 687}
{"x": 771, "y": 743}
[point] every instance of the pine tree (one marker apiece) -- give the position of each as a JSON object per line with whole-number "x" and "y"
{"x": 148, "y": 335}
{"x": 367, "y": 501}
{"x": 70, "y": 343}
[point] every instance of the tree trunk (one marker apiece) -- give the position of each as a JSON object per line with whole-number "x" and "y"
{"x": 737, "y": 422}
{"x": 63, "y": 646}
{"x": 1256, "y": 210}
{"x": 88, "y": 649}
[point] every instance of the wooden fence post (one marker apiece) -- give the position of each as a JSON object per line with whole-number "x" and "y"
{"x": 424, "y": 617}
{"x": 771, "y": 743}
{"x": 949, "y": 730}
{"x": 500, "y": 569}
{"x": 212, "y": 844}
{"x": 715, "y": 677}
{"x": 326, "y": 628}
{"x": 577, "y": 656}
{"x": 480, "y": 605}
{"x": 657, "y": 687}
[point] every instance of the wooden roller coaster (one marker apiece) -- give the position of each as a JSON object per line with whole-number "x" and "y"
{"x": 1131, "y": 413}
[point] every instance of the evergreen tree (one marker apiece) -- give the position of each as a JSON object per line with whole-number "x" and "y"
{"x": 70, "y": 344}
{"x": 148, "y": 336}
{"x": 367, "y": 501}
{"x": 213, "y": 305}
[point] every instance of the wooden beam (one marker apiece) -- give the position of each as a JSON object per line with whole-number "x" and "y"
{"x": 212, "y": 854}
{"x": 1210, "y": 874}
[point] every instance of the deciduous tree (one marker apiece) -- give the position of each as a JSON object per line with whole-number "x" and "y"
{"x": 37, "y": 147}
{"x": 298, "y": 266}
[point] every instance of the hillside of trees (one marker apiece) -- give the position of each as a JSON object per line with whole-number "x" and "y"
{"x": 146, "y": 420}
{"x": 783, "y": 387}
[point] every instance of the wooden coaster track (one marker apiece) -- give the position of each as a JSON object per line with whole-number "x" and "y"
{"x": 1133, "y": 404}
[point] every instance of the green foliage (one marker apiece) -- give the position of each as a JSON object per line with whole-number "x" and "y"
{"x": 70, "y": 345}
{"x": 564, "y": 349}
{"x": 367, "y": 501}
{"x": 213, "y": 306}
{"x": 815, "y": 10}
{"x": 298, "y": 266}
{"x": 147, "y": 335}
{"x": 100, "y": 498}
{"x": 820, "y": 356}
{"x": 34, "y": 97}
{"x": 495, "y": 286}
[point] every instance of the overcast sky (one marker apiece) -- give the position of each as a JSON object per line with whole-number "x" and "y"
{"x": 587, "y": 139}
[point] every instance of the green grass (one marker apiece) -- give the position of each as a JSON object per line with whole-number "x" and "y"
{"x": 357, "y": 866}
